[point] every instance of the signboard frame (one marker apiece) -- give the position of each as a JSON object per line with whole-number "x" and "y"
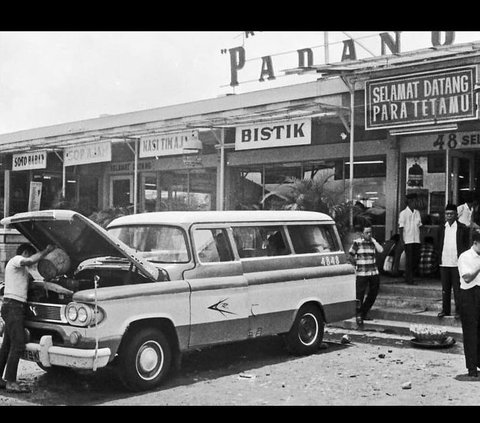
{"x": 416, "y": 78}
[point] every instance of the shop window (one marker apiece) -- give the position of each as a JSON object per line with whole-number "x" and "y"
{"x": 425, "y": 176}
{"x": 19, "y": 188}
{"x": 121, "y": 191}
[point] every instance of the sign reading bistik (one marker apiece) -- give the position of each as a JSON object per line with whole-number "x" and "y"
{"x": 425, "y": 98}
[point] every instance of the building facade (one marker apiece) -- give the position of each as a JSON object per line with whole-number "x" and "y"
{"x": 409, "y": 124}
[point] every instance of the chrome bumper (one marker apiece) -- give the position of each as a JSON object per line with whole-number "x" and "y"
{"x": 49, "y": 355}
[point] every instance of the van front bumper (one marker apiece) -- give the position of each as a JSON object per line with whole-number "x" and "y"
{"x": 50, "y": 355}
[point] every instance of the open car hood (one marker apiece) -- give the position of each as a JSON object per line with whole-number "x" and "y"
{"x": 78, "y": 236}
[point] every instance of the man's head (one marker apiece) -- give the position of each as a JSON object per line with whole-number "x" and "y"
{"x": 367, "y": 232}
{"x": 450, "y": 213}
{"x": 411, "y": 199}
{"x": 26, "y": 250}
{"x": 476, "y": 241}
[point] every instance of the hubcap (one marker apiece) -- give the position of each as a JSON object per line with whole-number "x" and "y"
{"x": 149, "y": 360}
{"x": 308, "y": 329}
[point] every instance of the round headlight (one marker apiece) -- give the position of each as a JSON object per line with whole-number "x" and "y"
{"x": 72, "y": 313}
{"x": 82, "y": 314}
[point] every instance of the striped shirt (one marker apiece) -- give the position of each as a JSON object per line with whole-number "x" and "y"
{"x": 428, "y": 264}
{"x": 364, "y": 254}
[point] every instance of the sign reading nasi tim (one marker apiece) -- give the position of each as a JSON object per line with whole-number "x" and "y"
{"x": 425, "y": 98}
{"x": 166, "y": 145}
{"x": 28, "y": 161}
{"x": 273, "y": 134}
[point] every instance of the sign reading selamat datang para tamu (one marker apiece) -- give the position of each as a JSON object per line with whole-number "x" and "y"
{"x": 425, "y": 98}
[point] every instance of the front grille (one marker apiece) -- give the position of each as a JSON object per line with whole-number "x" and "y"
{"x": 46, "y": 312}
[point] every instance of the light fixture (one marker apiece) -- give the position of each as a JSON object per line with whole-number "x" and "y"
{"x": 366, "y": 162}
{"x": 424, "y": 129}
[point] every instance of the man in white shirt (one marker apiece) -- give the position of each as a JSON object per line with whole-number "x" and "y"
{"x": 454, "y": 240}
{"x": 13, "y": 313}
{"x": 469, "y": 269}
{"x": 466, "y": 210}
{"x": 409, "y": 222}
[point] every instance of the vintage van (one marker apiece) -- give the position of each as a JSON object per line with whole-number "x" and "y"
{"x": 154, "y": 285}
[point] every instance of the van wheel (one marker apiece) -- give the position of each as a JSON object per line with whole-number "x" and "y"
{"x": 307, "y": 331}
{"x": 145, "y": 360}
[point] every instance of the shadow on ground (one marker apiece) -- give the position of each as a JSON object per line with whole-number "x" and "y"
{"x": 69, "y": 387}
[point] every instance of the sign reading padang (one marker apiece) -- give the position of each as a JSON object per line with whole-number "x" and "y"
{"x": 425, "y": 98}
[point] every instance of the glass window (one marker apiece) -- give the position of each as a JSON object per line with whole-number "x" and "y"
{"x": 313, "y": 238}
{"x": 212, "y": 245}
{"x": 259, "y": 241}
{"x": 157, "y": 243}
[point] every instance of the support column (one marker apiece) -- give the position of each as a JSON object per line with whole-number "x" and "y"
{"x": 392, "y": 187}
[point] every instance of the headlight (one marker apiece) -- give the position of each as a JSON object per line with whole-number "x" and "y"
{"x": 82, "y": 314}
{"x": 72, "y": 312}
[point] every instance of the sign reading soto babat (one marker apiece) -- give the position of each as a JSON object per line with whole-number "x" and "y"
{"x": 440, "y": 96}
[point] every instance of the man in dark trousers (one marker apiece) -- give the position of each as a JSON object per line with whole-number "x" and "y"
{"x": 17, "y": 278}
{"x": 363, "y": 256}
{"x": 454, "y": 240}
{"x": 469, "y": 269}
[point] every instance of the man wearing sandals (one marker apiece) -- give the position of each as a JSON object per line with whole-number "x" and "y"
{"x": 13, "y": 313}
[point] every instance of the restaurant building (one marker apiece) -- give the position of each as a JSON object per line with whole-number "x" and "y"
{"x": 407, "y": 122}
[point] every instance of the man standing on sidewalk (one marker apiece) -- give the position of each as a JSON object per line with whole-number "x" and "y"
{"x": 409, "y": 222}
{"x": 454, "y": 240}
{"x": 363, "y": 256}
{"x": 469, "y": 269}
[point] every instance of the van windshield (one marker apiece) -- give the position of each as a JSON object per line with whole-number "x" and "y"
{"x": 156, "y": 243}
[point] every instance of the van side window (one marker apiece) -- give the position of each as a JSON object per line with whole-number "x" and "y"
{"x": 212, "y": 245}
{"x": 259, "y": 241}
{"x": 312, "y": 238}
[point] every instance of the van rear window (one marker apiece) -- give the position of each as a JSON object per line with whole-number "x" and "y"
{"x": 313, "y": 238}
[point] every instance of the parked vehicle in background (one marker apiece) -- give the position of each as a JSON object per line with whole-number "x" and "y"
{"x": 154, "y": 285}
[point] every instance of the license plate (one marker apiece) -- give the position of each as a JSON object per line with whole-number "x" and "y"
{"x": 31, "y": 355}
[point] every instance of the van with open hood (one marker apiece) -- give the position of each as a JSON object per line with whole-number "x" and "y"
{"x": 154, "y": 285}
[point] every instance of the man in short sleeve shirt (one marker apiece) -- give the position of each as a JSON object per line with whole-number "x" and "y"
{"x": 469, "y": 270}
{"x": 409, "y": 222}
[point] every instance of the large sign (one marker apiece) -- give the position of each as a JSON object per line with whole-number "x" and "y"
{"x": 166, "y": 145}
{"x": 89, "y": 153}
{"x": 273, "y": 134}
{"x": 441, "y": 96}
{"x": 305, "y": 56}
{"x": 29, "y": 161}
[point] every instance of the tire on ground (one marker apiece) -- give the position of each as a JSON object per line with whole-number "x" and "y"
{"x": 145, "y": 359}
{"x": 306, "y": 333}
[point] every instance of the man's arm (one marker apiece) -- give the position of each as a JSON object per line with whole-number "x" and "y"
{"x": 378, "y": 247}
{"x": 469, "y": 277}
{"x": 35, "y": 258}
